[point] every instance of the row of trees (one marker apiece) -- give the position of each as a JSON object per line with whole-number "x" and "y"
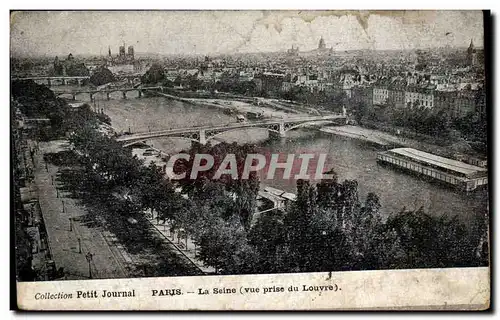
{"x": 422, "y": 120}
{"x": 429, "y": 122}
{"x": 334, "y": 99}
{"x": 38, "y": 101}
{"x": 329, "y": 229}
{"x": 474, "y": 128}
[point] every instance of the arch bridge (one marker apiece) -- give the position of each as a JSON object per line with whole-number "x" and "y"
{"x": 63, "y": 79}
{"x": 140, "y": 91}
{"x": 206, "y": 133}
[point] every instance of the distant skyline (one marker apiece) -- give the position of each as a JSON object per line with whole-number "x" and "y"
{"x": 218, "y": 32}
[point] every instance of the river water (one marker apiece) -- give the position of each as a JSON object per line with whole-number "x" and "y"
{"x": 351, "y": 159}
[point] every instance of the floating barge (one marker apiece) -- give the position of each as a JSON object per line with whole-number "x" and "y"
{"x": 464, "y": 176}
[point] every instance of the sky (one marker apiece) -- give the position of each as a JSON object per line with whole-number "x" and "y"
{"x": 215, "y": 32}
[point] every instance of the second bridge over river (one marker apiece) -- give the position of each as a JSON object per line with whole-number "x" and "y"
{"x": 203, "y": 134}
{"x": 91, "y": 93}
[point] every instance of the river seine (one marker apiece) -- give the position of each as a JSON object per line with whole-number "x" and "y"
{"x": 351, "y": 159}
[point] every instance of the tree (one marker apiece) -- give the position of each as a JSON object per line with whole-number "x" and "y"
{"x": 366, "y": 230}
{"x": 153, "y": 189}
{"x": 154, "y": 75}
{"x": 242, "y": 192}
{"x": 109, "y": 163}
{"x": 267, "y": 236}
{"x": 430, "y": 242}
{"x": 194, "y": 83}
{"x": 328, "y": 246}
{"x": 328, "y": 191}
{"x": 102, "y": 76}
{"x": 81, "y": 117}
{"x": 75, "y": 69}
{"x": 219, "y": 240}
{"x": 24, "y": 256}
{"x": 296, "y": 223}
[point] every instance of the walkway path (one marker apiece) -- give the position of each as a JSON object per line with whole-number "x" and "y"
{"x": 69, "y": 237}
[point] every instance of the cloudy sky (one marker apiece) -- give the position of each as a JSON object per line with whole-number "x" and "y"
{"x": 203, "y": 32}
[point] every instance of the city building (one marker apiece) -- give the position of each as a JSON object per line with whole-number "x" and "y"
{"x": 380, "y": 94}
{"x": 293, "y": 51}
{"x": 396, "y": 96}
{"x": 124, "y": 62}
{"x": 269, "y": 83}
{"x": 460, "y": 103}
{"x": 69, "y": 67}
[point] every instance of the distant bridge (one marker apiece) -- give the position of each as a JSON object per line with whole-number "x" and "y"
{"x": 130, "y": 78}
{"x": 49, "y": 80}
{"x": 205, "y": 134}
{"x": 140, "y": 91}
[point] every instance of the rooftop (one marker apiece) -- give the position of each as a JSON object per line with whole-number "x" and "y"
{"x": 280, "y": 193}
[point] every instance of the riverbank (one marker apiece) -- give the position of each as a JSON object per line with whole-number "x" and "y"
{"x": 274, "y": 103}
{"x": 388, "y": 140}
{"x": 268, "y": 108}
{"x": 360, "y": 134}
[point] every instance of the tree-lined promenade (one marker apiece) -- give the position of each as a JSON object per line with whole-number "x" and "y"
{"x": 328, "y": 227}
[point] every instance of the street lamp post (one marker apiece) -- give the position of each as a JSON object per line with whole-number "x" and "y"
{"x": 183, "y": 234}
{"x": 324, "y": 245}
{"x": 63, "y": 207}
{"x": 128, "y": 123}
{"x": 89, "y": 256}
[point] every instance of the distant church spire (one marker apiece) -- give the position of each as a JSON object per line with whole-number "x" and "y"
{"x": 322, "y": 44}
{"x": 471, "y": 54}
{"x": 109, "y": 51}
